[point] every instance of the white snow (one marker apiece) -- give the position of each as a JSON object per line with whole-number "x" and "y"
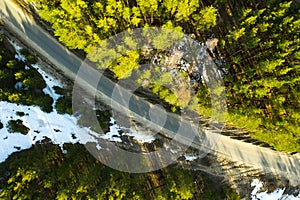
{"x": 59, "y": 128}
{"x": 137, "y": 133}
{"x": 18, "y": 85}
{"x": 18, "y": 56}
{"x": 171, "y": 149}
{"x": 113, "y": 135}
{"x": 190, "y": 157}
{"x": 277, "y": 194}
{"x": 50, "y": 82}
{"x": 140, "y": 136}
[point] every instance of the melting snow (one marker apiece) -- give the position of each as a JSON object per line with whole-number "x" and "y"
{"x": 277, "y": 194}
{"x": 113, "y": 135}
{"x": 59, "y": 128}
{"x": 50, "y": 82}
{"x": 18, "y": 56}
{"x": 140, "y": 136}
{"x": 18, "y": 85}
{"x": 190, "y": 157}
{"x": 138, "y": 133}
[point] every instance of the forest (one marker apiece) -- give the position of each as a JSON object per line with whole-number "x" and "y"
{"x": 258, "y": 53}
{"x": 46, "y": 171}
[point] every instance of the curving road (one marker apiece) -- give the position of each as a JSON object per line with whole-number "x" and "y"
{"x": 266, "y": 159}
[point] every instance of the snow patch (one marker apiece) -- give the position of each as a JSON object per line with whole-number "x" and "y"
{"x": 50, "y": 82}
{"x": 59, "y": 128}
{"x": 18, "y": 85}
{"x": 138, "y": 133}
{"x": 113, "y": 135}
{"x": 140, "y": 136}
{"x": 190, "y": 157}
{"x": 18, "y": 56}
{"x": 277, "y": 194}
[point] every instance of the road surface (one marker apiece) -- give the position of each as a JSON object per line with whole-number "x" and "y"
{"x": 264, "y": 158}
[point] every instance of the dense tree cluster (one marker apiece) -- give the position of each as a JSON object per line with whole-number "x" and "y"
{"x": 45, "y": 172}
{"x": 19, "y": 82}
{"x": 263, "y": 72}
{"x": 82, "y": 24}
